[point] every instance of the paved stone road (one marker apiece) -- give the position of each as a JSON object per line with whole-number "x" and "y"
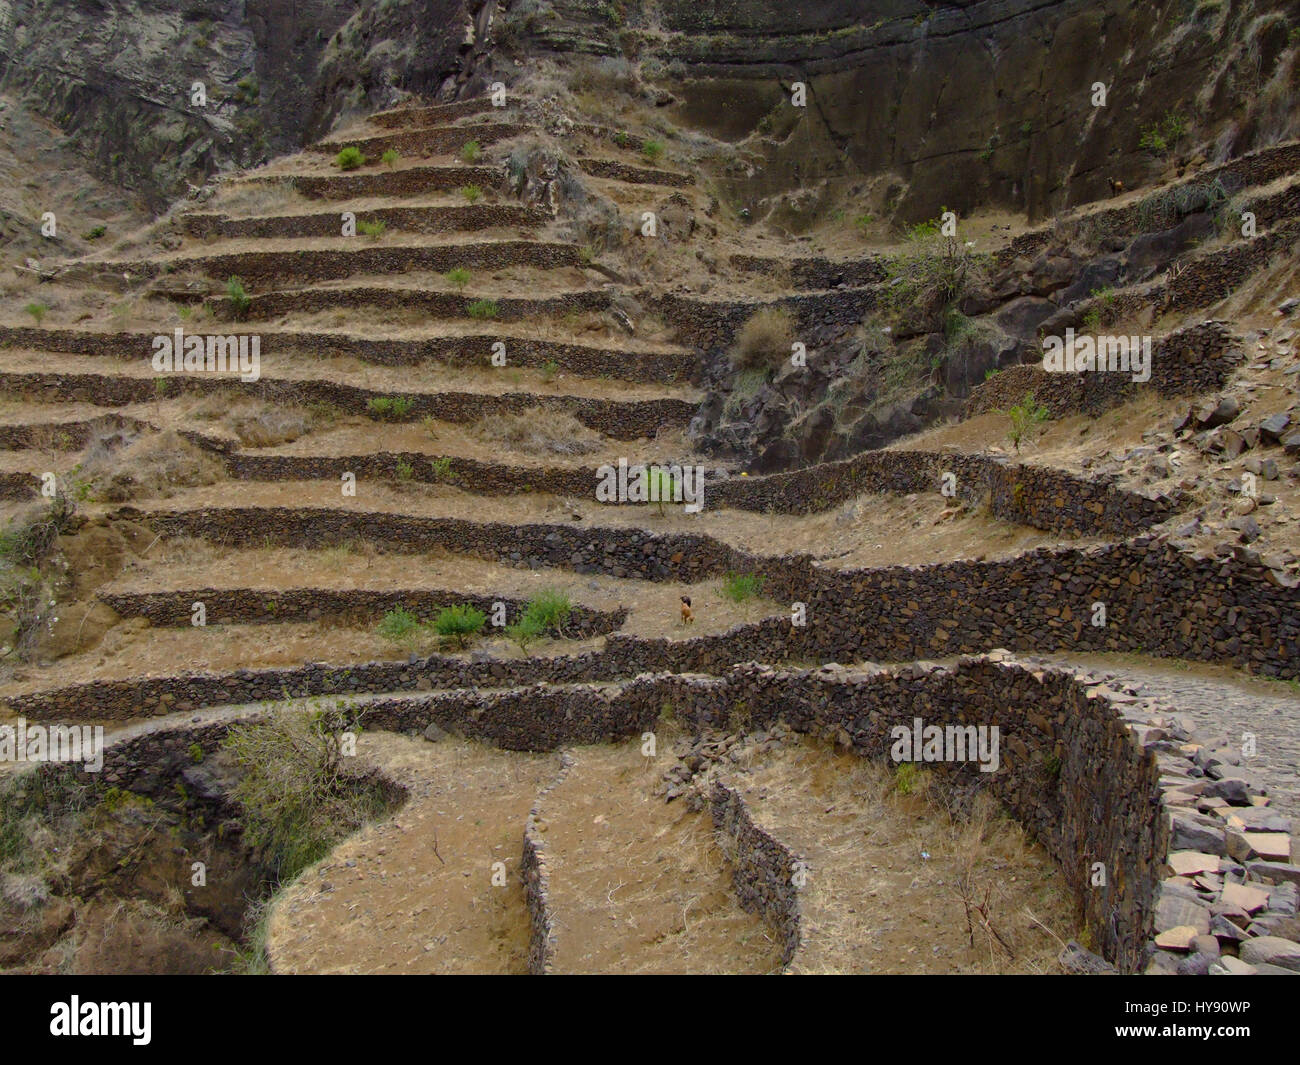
{"x": 1221, "y": 706}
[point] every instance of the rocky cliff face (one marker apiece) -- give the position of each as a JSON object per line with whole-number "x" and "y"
{"x": 963, "y": 104}
{"x": 119, "y": 76}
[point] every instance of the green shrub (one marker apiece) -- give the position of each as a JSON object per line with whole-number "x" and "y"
{"x": 349, "y": 158}
{"x": 524, "y": 632}
{"x": 374, "y": 229}
{"x": 441, "y": 469}
{"x": 483, "y": 309}
{"x": 404, "y": 470}
{"x": 94, "y": 233}
{"x": 392, "y": 408}
{"x": 472, "y": 193}
{"x": 390, "y": 156}
{"x": 661, "y": 487}
{"x": 37, "y": 311}
{"x": 549, "y": 369}
{"x": 460, "y": 623}
{"x": 297, "y": 798}
{"x": 550, "y": 611}
{"x": 907, "y": 777}
{"x": 472, "y": 152}
{"x": 458, "y": 277}
{"x": 652, "y": 151}
{"x": 239, "y": 298}
{"x": 1160, "y": 137}
{"x": 399, "y": 625}
{"x": 739, "y": 587}
{"x": 1024, "y": 416}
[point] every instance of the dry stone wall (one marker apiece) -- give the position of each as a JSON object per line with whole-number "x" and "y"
{"x": 1233, "y": 611}
{"x": 1102, "y": 780}
{"x": 1194, "y": 359}
{"x": 226, "y": 606}
{"x": 646, "y": 367}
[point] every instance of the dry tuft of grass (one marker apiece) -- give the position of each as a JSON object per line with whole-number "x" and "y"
{"x": 763, "y": 341}
{"x": 121, "y": 465}
{"x": 539, "y": 431}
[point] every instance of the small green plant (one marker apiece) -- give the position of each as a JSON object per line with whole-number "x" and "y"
{"x": 471, "y": 152}
{"x": 405, "y": 471}
{"x": 37, "y": 311}
{"x": 549, "y": 610}
{"x": 524, "y": 632}
{"x": 460, "y": 623}
{"x": 864, "y": 221}
{"x": 652, "y": 151}
{"x": 350, "y": 158}
{"x": 549, "y": 369}
{"x": 472, "y": 193}
{"x": 392, "y": 408}
{"x": 459, "y": 277}
{"x": 1024, "y": 416}
{"x": 297, "y": 796}
{"x": 907, "y": 778}
{"x": 95, "y": 232}
{"x": 621, "y": 138}
{"x": 1160, "y": 137}
{"x": 482, "y": 310}
{"x": 991, "y": 373}
{"x": 738, "y": 587}
{"x": 239, "y": 298}
{"x": 662, "y": 487}
{"x": 247, "y": 91}
{"x": 1052, "y": 767}
{"x": 399, "y": 625}
{"x": 390, "y": 156}
{"x": 374, "y": 230}
{"x": 1092, "y": 319}
{"x": 441, "y": 469}
{"x": 196, "y": 753}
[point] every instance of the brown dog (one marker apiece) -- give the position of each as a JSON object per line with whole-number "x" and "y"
{"x": 688, "y": 618}
{"x": 1116, "y": 187}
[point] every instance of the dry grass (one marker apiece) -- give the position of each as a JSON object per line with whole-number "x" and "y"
{"x": 928, "y": 881}
{"x": 123, "y": 464}
{"x": 763, "y": 341}
{"x": 539, "y": 432}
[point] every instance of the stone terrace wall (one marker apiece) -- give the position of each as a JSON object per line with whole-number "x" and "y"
{"x": 651, "y": 366}
{"x": 433, "y": 140}
{"x": 613, "y": 551}
{"x": 1054, "y": 734}
{"x": 762, "y": 868}
{"x": 413, "y": 115}
{"x": 1208, "y": 279}
{"x": 1197, "y": 358}
{"x": 467, "y": 218}
{"x": 406, "y": 181}
{"x": 622, "y": 420}
{"x": 226, "y": 606}
{"x": 1038, "y": 496}
{"x": 271, "y": 269}
{"x": 436, "y": 304}
{"x": 1231, "y": 612}
{"x": 710, "y": 323}
{"x": 633, "y": 175}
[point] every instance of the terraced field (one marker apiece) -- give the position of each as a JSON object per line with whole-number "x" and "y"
{"x": 632, "y": 791}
